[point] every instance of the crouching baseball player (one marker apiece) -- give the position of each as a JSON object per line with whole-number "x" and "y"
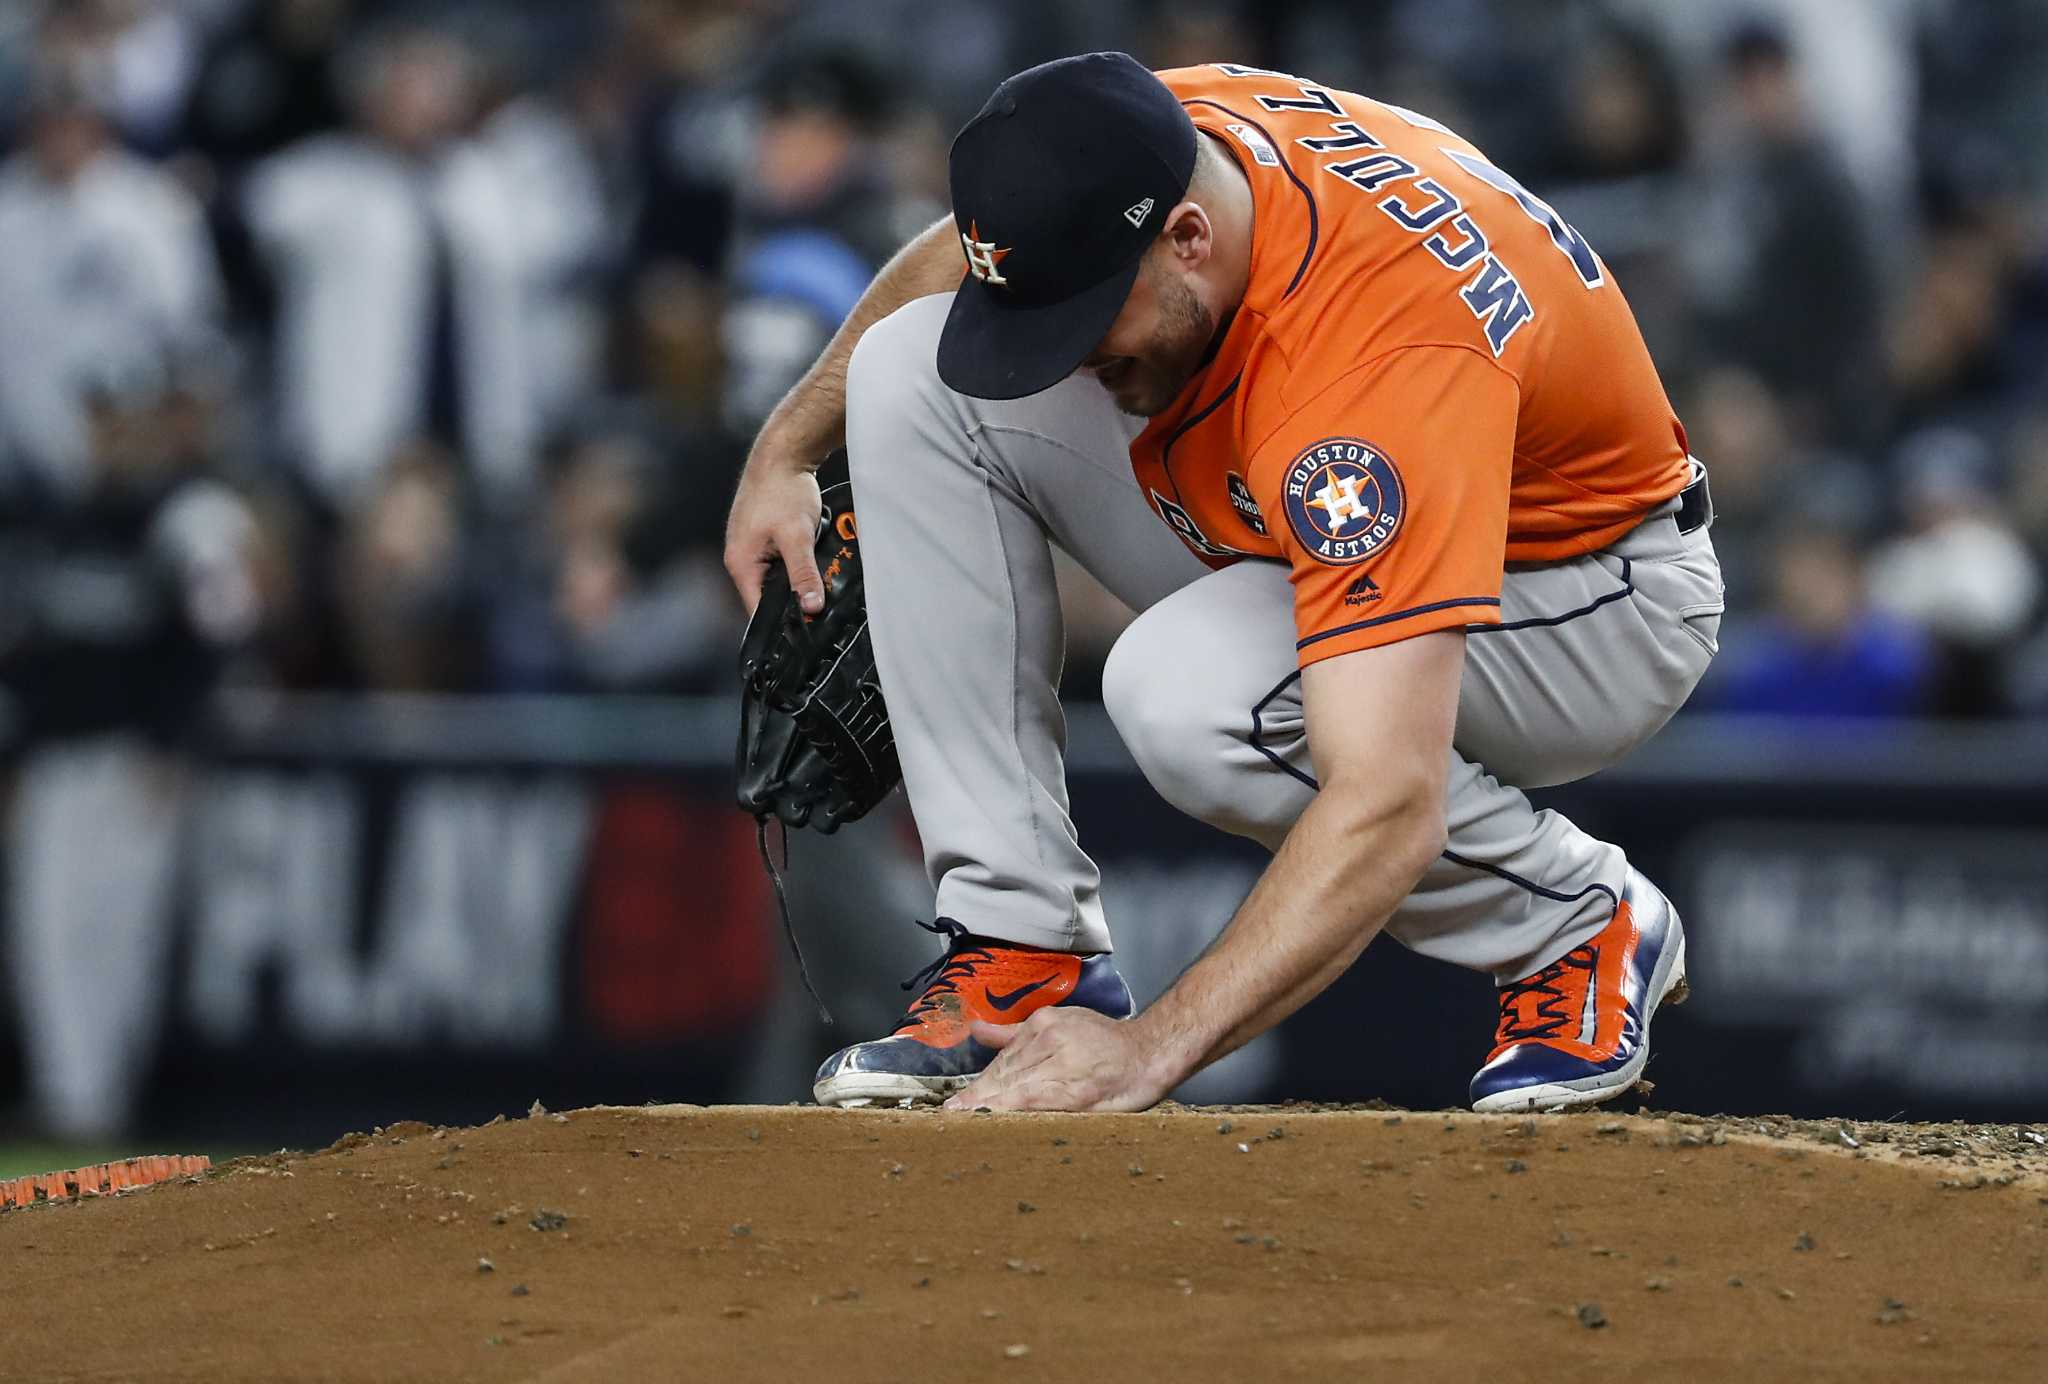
{"x": 1431, "y": 536}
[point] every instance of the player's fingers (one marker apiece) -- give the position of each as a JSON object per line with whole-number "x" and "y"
{"x": 745, "y": 571}
{"x": 998, "y": 1086}
{"x": 1038, "y": 1093}
{"x": 995, "y": 1035}
{"x": 796, "y": 544}
{"x": 985, "y": 1092}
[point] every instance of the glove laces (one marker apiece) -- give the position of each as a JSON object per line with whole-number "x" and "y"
{"x": 782, "y": 907}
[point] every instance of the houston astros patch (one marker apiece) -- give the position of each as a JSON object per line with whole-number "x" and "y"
{"x": 1344, "y": 500}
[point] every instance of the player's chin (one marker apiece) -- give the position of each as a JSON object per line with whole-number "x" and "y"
{"x": 1142, "y": 398}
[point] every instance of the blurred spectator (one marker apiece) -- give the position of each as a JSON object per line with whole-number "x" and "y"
{"x": 815, "y": 222}
{"x": 690, "y": 156}
{"x": 1853, "y": 62}
{"x": 692, "y": 142}
{"x": 136, "y": 57}
{"x": 550, "y": 154}
{"x": 403, "y": 579}
{"x": 1983, "y": 68}
{"x": 615, "y": 585}
{"x": 2029, "y": 481}
{"x": 814, "y": 164}
{"x": 2026, "y": 676}
{"x": 1623, "y": 112}
{"x": 403, "y": 274}
{"x": 1785, "y": 279}
{"x": 1619, "y": 175}
{"x": 1735, "y": 423}
{"x": 641, "y": 599}
{"x": 266, "y": 81}
{"x": 1824, "y": 650}
{"x": 1764, "y": 478}
{"x": 145, "y": 567}
{"x": 106, "y": 260}
{"x": 1960, "y": 571}
{"x": 1971, "y": 338}
{"x": 123, "y": 605}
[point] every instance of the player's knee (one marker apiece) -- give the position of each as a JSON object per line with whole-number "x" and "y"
{"x": 1127, "y": 676}
{"x": 893, "y": 395}
{"x": 898, "y": 355}
{"x": 1165, "y": 718}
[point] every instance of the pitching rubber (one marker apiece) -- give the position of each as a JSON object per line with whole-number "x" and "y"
{"x": 99, "y": 1179}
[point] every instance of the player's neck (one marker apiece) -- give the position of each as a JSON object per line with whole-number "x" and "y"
{"x": 1232, "y": 213}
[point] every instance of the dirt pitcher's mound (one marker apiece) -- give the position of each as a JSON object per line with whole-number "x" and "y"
{"x": 1246, "y": 1245}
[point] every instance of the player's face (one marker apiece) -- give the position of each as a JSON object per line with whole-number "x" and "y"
{"x": 1156, "y": 344}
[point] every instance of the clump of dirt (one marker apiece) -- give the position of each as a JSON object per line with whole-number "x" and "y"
{"x": 1270, "y": 1244}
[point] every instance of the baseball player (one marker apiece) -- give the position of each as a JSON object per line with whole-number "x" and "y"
{"x": 1431, "y": 536}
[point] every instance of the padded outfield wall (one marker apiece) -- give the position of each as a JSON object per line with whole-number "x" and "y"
{"x": 442, "y": 909}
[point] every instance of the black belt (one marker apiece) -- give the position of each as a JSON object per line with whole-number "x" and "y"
{"x": 1695, "y": 503}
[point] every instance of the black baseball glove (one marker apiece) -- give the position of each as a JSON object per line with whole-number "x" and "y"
{"x": 816, "y": 748}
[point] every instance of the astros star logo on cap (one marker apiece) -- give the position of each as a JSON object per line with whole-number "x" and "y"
{"x": 983, "y": 256}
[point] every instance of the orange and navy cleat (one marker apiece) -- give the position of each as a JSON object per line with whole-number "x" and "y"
{"x": 932, "y": 1054}
{"x": 1578, "y": 1031}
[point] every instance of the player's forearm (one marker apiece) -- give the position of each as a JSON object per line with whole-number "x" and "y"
{"x": 1337, "y": 878}
{"x": 811, "y": 419}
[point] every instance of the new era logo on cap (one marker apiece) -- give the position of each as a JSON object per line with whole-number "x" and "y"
{"x": 1136, "y": 214}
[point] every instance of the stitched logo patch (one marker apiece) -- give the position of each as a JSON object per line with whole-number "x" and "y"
{"x": 1262, "y": 152}
{"x": 1344, "y": 500}
{"x": 1241, "y": 500}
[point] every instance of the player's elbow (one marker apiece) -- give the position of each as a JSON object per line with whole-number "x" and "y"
{"x": 1401, "y": 813}
{"x": 1432, "y": 837}
{"x": 1417, "y": 835}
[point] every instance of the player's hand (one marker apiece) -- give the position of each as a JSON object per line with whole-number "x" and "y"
{"x": 1066, "y": 1059}
{"x": 774, "y": 519}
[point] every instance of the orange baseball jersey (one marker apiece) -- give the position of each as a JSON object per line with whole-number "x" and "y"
{"x": 1431, "y": 375}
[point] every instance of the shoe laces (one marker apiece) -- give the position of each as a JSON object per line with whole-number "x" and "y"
{"x": 1554, "y": 1011}
{"x": 944, "y": 973}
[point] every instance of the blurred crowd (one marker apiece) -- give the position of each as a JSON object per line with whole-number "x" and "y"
{"x": 400, "y": 346}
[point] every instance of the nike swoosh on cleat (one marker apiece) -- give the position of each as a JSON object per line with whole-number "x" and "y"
{"x": 1005, "y": 1001}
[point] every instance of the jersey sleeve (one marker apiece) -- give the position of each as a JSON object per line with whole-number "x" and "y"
{"x": 1391, "y": 488}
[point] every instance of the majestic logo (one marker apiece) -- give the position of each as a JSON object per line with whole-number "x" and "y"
{"x": 1364, "y": 591}
{"x": 983, "y": 256}
{"x": 1136, "y": 214}
{"x": 1241, "y": 500}
{"x": 1344, "y": 500}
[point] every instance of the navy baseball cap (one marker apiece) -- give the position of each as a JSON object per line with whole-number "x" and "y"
{"x": 1059, "y": 185}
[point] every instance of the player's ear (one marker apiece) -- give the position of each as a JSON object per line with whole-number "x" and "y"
{"x": 1188, "y": 235}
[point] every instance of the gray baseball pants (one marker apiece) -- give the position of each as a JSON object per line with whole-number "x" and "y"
{"x": 961, "y": 501}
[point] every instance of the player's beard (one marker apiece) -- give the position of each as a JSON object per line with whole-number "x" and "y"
{"x": 1152, "y": 380}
